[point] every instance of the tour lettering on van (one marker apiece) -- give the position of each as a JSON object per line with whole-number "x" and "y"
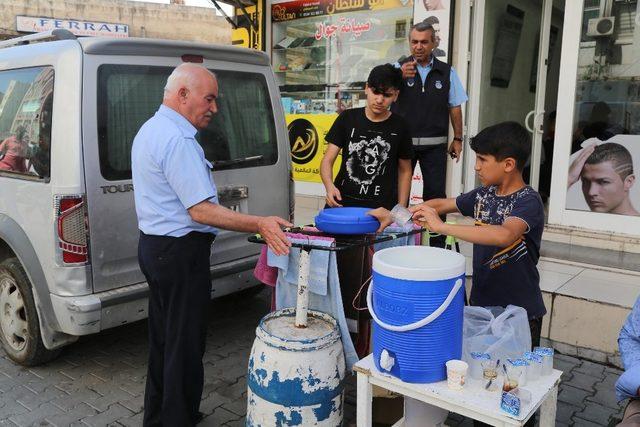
{"x": 112, "y": 189}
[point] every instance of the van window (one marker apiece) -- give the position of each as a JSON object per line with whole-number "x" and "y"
{"x": 26, "y": 100}
{"x": 242, "y": 133}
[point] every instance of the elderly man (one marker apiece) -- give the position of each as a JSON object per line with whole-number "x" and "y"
{"x": 178, "y": 210}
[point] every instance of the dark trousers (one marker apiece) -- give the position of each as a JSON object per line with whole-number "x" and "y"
{"x": 177, "y": 271}
{"x": 433, "y": 165}
{"x": 535, "y": 326}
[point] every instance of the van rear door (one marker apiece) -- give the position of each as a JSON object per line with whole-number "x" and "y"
{"x": 250, "y": 167}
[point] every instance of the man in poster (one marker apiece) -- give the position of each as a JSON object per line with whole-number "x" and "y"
{"x": 606, "y": 173}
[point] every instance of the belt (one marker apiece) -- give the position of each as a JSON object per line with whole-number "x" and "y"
{"x": 434, "y": 140}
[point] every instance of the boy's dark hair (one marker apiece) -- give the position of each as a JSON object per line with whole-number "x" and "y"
{"x": 617, "y": 154}
{"x": 507, "y": 139}
{"x": 385, "y": 77}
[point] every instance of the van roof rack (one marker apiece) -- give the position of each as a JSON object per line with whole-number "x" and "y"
{"x": 57, "y": 34}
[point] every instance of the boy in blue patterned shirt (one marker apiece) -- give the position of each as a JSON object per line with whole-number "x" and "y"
{"x": 509, "y": 219}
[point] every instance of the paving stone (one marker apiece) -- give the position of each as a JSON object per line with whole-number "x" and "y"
{"x": 573, "y": 396}
{"x": 67, "y": 402}
{"x": 12, "y": 408}
{"x": 111, "y": 415}
{"x": 214, "y": 400}
{"x": 103, "y": 402}
{"x": 581, "y": 422}
{"x": 566, "y": 358}
{"x": 590, "y": 368}
{"x": 583, "y": 381}
{"x": 595, "y": 413}
{"x": 134, "y": 421}
{"x": 605, "y": 395}
{"x": 565, "y": 411}
{"x": 135, "y": 404}
{"x": 237, "y": 423}
{"x": 75, "y": 415}
{"x": 219, "y": 417}
{"x": 34, "y": 400}
{"x": 35, "y": 416}
{"x": 610, "y": 378}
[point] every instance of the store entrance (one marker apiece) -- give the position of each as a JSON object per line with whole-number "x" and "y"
{"x": 514, "y": 72}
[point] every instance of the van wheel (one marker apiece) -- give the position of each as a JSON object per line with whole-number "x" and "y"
{"x": 19, "y": 327}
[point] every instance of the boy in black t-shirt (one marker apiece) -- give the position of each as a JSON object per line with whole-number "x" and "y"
{"x": 376, "y": 149}
{"x": 509, "y": 222}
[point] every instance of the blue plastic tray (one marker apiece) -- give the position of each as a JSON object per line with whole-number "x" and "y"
{"x": 346, "y": 221}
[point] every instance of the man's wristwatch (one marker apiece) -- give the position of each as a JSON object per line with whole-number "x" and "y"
{"x": 457, "y": 138}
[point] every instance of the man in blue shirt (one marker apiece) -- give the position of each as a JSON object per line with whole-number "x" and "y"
{"x": 628, "y": 385}
{"x": 178, "y": 212}
{"x": 431, "y": 94}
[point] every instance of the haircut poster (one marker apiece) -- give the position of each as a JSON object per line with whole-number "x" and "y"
{"x": 602, "y": 176}
{"x": 306, "y": 139}
{"x": 437, "y": 13}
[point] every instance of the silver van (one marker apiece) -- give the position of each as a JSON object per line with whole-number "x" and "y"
{"x": 69, "y": 110}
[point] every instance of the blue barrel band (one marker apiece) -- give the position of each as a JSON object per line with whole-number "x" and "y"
{"x": 290, "y": 392}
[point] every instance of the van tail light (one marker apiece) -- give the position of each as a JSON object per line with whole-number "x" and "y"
{"x": 72, "y": 229}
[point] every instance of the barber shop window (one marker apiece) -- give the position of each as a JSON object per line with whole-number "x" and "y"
{"x": 26, "y": 100}
{"x": 242, "y": 134}
{"x": 605, "y": 149}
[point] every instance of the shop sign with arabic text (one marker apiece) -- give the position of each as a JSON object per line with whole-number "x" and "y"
{"x": 298, "y": 9}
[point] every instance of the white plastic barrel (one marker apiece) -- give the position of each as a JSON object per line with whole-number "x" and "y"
{"x": 296, "y": 374}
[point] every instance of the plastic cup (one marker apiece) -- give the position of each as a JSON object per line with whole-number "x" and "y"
{"x": 512, "y": 378}
{"x": 456, "y": 374}
{"x": 535, "y": 365}
{"x": 547, "y": 359}
{"x": 402, "y": 217}
{"x": 475, "y": 364}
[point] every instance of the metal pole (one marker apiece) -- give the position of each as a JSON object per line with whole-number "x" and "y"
{"x": 302, "y": 304}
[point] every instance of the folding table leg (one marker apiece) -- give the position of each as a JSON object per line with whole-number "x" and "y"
{"x": 548, "y": 409}
{"x": 364, "y": 399}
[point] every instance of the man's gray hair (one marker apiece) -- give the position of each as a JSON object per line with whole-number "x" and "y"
{"x": 422, "y": 27}
{"x": 183, "y": 76}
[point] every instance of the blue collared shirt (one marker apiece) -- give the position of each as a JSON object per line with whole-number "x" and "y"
{"x": 629, "y": 345}
{"x": 457, "y": 95}
{"x": 170, "y": 175}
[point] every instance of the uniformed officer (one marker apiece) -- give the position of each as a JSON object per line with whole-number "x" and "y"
{"x": 431, "y": 94}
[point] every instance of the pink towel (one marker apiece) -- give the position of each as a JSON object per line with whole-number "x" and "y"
{"x": 264, "y": 273}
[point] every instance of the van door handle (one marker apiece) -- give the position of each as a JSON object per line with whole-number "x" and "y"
{"x": 233, "y": 193}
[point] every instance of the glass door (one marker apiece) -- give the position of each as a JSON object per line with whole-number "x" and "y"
{"x": 513, "y": 76}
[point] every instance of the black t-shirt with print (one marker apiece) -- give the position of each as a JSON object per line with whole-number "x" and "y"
{"x": 503, "y": 276}
{"x": 368, "y": 175}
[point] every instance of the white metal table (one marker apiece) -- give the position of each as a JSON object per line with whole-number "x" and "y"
{"x": 472, "y": 402}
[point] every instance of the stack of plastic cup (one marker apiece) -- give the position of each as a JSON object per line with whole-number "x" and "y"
{"x": 547, "y": 359}
{"x": 535, "y": 365}
{"x": 475, "y": 366}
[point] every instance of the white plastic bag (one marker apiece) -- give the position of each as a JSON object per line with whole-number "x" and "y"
{"x": 501, "y": 332}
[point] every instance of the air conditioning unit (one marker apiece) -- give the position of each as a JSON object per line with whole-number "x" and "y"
{"x": 601, "y": 27}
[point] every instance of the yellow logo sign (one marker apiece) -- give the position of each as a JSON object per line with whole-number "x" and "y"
{"x": 303, "y": 139}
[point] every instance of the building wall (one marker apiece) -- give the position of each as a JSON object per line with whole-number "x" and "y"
{"x": 168, "y": 21}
